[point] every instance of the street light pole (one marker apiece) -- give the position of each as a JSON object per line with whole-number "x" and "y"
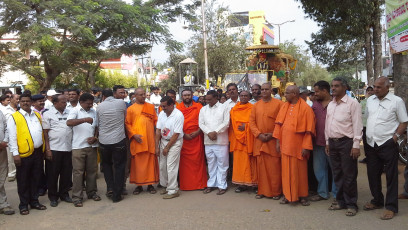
{"x": 205, "y": 42}
{"x": 279, "y": 25}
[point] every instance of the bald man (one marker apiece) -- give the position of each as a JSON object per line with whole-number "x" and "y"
{"x": 268, "y": 161}
{"x": 295, "y": 126}
{"x": 386, "y": 120}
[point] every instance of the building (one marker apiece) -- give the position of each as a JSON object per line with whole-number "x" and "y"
{"x": 254, "y": 25}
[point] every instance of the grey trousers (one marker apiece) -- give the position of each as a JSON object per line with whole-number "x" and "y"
{"x": 3, "y": 176}
{"x": 84, "y": 161}
{"x": 11, "y": 166}
{"x": 169, "y": 166}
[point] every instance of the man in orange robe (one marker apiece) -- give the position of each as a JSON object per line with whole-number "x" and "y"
{"x": 268, "y": 162}
{"x": 140, "y": 121}
{"x": 294, "y": 128}
{"x": 192, "y": 169}
{"x": 242, "y": 144}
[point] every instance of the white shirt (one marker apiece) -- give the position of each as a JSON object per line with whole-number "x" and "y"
{"x": 59, "y": 134}
{"x": 48, "y": 104}
{"x": 230, "y": 103}
{"x": 277, "y": 96}
{"x": 8, "y": 110}
{"x": 383, "y": 118}
{"x": 34, "y": 126}
{"x": 155, "y": 100}
{"x": 216, "y": 118}
{"x": 85, "y": 130}
{"x": 171, "y": 124}
{"x": 69, "y": 106}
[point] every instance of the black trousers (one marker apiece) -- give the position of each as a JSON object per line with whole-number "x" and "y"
{"x": 345, "y": 171}
{"x": 114, "y": 159}
{"x": 60, "y": 167}
{"x": 28, "y": 177}
{"x": 42, "y": 184}
{"x": 379, "y": 158}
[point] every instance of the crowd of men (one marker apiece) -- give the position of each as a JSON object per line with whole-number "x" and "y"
{"x": 275, "y": 148}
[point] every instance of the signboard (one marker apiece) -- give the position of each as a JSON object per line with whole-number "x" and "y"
{"x": 399, "y": 43}
{"x": 245, "y": 80}
{"x": 397, "y": 16}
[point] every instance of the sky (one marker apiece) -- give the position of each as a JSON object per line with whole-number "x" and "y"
{"x": 276, "y": 11}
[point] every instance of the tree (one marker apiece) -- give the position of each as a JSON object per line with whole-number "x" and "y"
{"x": 226, "y": 50}
{"x": 173, "y": 81}
{"x": 350, "y": 30}
{"x": 306, "y": 73}
{"x": 62, "y": 35}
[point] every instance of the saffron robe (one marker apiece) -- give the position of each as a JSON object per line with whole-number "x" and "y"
{"x": 144, "y": 167}
{"x": 295, "y": 126}
{"x": 268, "y": 162}
{"x": 241, "y": 144}
{"x": 192, "y": 169}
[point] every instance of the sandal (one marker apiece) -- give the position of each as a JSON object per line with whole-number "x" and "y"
{"x": 240, "y": 189}
{"x": 284, "y": 201}
{"x": 276, "y": 197}
{"x": 24, "y": 211}
{"x": 109, "y": 194}
{"x": 38, "y": 206}
{"x": 351, "y": 212}
{"x": 95, "y": 197}
{"x": 221, "y": 191}
{"x": 151, "y": 189}
{"x": 304, "y": 202}
{"x": 138, "y": 190}
{"x": 208, "y": 190}
{"x": 370, "y": 206}
{"x": 387, "y": 215}
{"x": 334, "y": 207}
{"x": 78, "y": 204}
{"x": 259, "y": 196}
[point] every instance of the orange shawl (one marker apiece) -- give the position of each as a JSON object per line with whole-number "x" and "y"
{"x": 244, "y": 140}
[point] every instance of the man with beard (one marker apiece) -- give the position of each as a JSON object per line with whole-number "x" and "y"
{"x": 268, "y": 161}
{"x": 192, "y": 171}
{"x": 256, "y": 93}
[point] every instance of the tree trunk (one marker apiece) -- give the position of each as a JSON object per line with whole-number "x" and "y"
{"x": 377, "y": 32}
{"x": 369, "y": 56}
{"x": 400, "y": 76}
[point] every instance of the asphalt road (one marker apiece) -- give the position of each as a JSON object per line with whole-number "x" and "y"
{"x": 195, "y": 210}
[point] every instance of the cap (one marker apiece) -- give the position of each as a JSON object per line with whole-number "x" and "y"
{"x": 303, "y": 89}
{"x": 37, "y": 97}
{"x": 51, "y": 92}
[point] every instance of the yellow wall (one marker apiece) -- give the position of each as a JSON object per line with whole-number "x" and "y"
{"x": 257, "y": 20}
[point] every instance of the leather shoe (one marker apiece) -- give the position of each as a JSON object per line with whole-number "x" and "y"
{"x": 53, "y": 203}
{"x": 66, "y": 199}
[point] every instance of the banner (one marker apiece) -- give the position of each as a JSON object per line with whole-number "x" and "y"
{"x": 399, "y": 43}
{"x": 396, "y": 13}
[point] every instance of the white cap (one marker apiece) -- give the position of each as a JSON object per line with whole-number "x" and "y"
{"x": 51, "y": 92}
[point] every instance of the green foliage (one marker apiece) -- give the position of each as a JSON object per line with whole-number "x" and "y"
{"x": 306, "y": 73}
{"x": 225, "y": 51}
{"x": 350, "y": 32}
{"x": 69, "y": 34}
{"x": 174, "y": 80}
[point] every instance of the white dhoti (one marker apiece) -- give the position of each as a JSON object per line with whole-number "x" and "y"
{"x": 218, "y": 162}
{"x": 169, "y": 166}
